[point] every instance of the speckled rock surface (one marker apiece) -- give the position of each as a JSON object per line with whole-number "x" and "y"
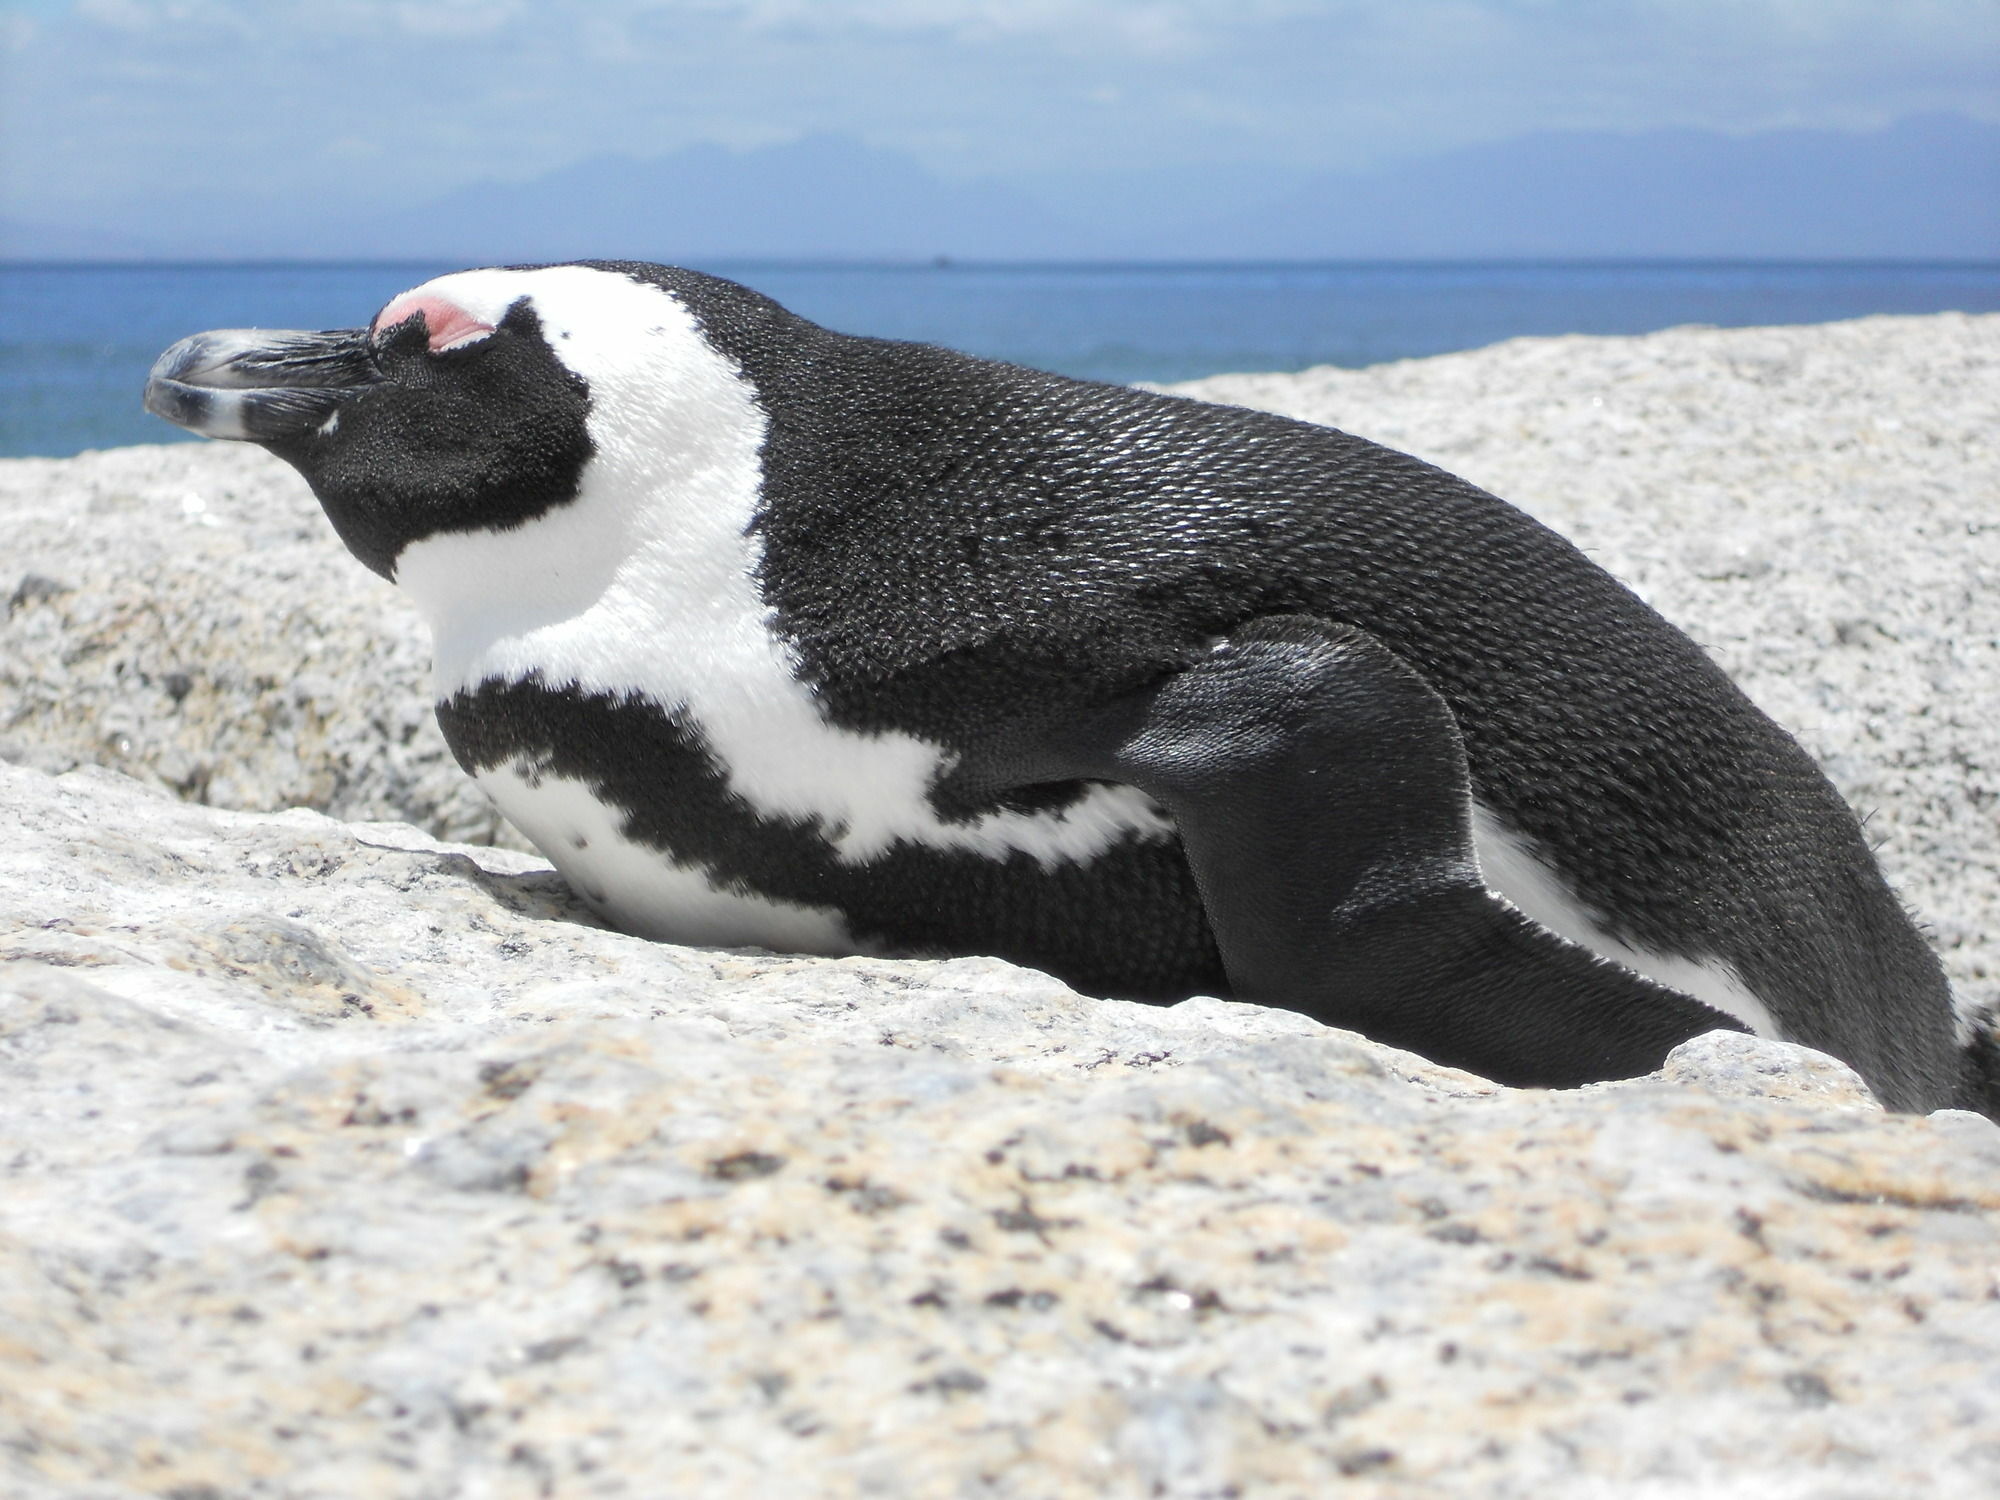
{"x": 184, "y": 614}
{"x": 338, "y": 1162}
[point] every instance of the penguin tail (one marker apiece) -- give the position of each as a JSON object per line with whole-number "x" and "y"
{"x": 1979, "y": 1060}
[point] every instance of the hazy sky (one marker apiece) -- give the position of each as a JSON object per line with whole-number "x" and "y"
{"x": 105, "y": 102}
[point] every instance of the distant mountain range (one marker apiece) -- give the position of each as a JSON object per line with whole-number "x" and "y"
{"x": 1927, "y": 187}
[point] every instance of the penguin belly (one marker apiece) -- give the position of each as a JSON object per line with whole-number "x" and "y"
{"x": 644, "y": 890}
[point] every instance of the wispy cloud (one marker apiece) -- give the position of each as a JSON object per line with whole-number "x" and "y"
{"x": 111, "y": 101}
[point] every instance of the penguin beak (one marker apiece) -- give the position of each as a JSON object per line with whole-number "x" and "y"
{"x": 259, "y": 385}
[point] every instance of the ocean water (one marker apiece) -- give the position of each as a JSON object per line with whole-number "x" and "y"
{"x": 76, "y": 341}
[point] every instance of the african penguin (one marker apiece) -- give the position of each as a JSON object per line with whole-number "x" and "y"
{"x": 771, "y": 635}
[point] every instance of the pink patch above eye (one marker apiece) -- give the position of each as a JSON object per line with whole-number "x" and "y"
{"x": 448, "y": 324}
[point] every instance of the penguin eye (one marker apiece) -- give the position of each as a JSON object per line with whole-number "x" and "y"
{"x": 448, "y": 325}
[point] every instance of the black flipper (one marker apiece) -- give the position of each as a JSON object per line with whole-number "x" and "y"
{"x": 1320, "y": 790}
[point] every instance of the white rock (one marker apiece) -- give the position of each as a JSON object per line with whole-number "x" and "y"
{"x": 339, "y": 1160}
{"x": 1733, "y": 1065}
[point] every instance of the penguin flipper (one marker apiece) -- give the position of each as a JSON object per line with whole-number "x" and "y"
{"x": 1320, "y": 790}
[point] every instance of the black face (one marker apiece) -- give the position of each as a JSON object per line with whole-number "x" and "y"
{"x": 398, "y": 440}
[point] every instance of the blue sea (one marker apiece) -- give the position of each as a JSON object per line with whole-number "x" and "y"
{"x": 75, "y": 341}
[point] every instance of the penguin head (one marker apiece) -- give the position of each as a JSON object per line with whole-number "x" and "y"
{"x": 477, "y": 402}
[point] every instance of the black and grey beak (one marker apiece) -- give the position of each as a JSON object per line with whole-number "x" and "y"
{"x": 259, "y": 385}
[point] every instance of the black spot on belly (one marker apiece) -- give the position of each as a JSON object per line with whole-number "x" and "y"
{"x": 1128, "y": 922}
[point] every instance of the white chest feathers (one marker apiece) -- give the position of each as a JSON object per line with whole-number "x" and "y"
{"x": 646, "y": 584}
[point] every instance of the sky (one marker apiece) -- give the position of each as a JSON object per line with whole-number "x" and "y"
{"x": 109, "y": 105}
